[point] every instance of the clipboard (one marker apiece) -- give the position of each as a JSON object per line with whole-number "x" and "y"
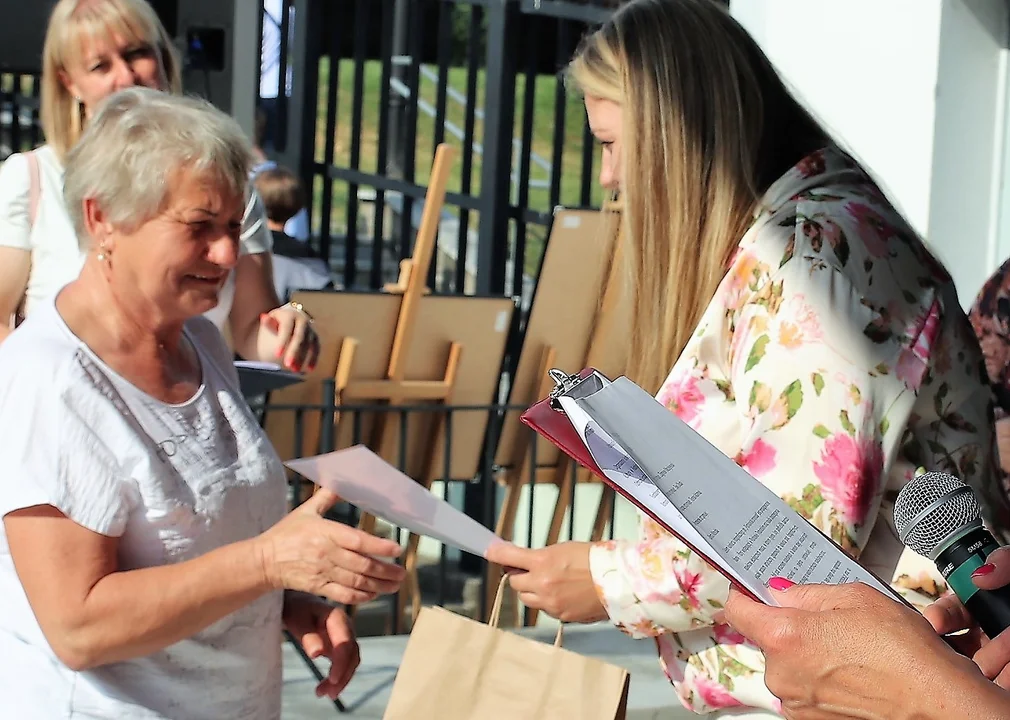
{"x": 548, "y": 419}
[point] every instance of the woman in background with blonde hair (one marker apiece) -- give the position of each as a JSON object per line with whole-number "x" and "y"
{"x": 784, "y": 310}
{"x": 92, "y": 49}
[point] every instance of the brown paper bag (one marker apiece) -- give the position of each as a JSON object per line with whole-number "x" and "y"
{"x": 455, "y": 668}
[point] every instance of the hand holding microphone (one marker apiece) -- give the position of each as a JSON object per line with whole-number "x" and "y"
{"x": 939, "y": 517}
{"x": 948, "y": 615}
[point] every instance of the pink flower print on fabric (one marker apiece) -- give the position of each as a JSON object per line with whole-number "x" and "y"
{"x": 683, "y": 396}
{"x": 849, "y": 472}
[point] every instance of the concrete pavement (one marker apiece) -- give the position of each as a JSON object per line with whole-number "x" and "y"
{"x": 650, "y": 695}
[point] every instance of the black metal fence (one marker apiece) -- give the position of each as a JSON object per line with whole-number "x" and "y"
{"x": 19, "y": 113}
{"x": 389, "y": 80}
{"x": 397, "y": 77}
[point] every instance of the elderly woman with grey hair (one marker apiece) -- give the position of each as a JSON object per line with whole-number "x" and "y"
{"x": 146, "y": 563}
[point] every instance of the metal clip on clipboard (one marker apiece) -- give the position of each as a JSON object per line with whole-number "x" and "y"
{"x": 565, "y": 384}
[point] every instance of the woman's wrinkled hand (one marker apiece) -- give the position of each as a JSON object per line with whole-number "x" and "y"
{"x": 948, "y": 615}
{"x": 307, "y": 553}
{"x": 287, "y": 337}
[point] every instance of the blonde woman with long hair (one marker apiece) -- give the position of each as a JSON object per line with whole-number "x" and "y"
{"x": 92, "y": 49}
{"x": 784, "y": 310}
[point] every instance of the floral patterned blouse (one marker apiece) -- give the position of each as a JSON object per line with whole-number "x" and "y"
{"x": 832, "y": 362}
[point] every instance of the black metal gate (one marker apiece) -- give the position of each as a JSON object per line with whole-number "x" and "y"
{"x": 397, "y": 77}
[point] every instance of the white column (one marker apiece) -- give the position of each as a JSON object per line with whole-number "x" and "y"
{"x": 245, "y": 61}
{"x": 970, "y": 122}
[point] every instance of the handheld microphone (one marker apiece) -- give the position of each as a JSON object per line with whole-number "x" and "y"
{"x": 938, "y": 517}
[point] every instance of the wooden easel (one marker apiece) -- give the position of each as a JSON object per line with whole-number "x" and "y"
{"x": 599, "y": 354}
{"x": 394, "y": 389}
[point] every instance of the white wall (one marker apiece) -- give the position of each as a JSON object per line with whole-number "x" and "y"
{"x": 915, "y": 90}
{"x": 867, "y": 70}
{"x": 968, "y": 141}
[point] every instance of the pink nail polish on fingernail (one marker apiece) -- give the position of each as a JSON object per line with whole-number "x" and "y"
{"x": 984, "y": 570}
{"x": 780, "y": 583}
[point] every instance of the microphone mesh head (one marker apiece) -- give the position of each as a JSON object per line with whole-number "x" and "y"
{"x": 942, "y": 521}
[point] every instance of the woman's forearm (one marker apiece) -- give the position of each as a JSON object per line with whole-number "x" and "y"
{"x": 254, "y": 295}
{"x": 133, "y": 613}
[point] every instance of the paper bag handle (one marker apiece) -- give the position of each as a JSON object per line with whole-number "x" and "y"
{"x": 495, "y": 616}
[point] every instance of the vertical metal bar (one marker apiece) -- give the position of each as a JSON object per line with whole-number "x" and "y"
{"x": 534, "y": 462}
{"x": 36, "y": 92}
{"x": 496, "y": 171}
{"x": 307, "y": 108}
{"x": 526, "y": 151}
{"x": 446, "y": 479}
{"x": 444, "y": 33}
{"x": 261, "y": 21}
{"x": 588, "y": 155}
{"x": 299, "y": 431}
{"x": 356, "y": 433}
{"x": 402, "y": 464}
{"x": 410, "y": 129}
{"x": 326, "y": 435}
{"x": 574, "y": 470}
{"x": 387, "y": 137}
{"x": 404, "y": 440}
{"x": 560, "y": 115}
{"x": 303, "y": 90}
{"x": 401, "y": 22}
{"x": 360, "y": 58}
{"x": 466, "y": 187}
{"x": 15, "y": 104}
{"x": 488, "y": 496}
{"x": 281, "y": 128}
{"x": 329, "y": 147}
{"x": 299, "y": 445}
{"x": 356, "y": 428}
{"x": 613, "y": 514}
{"x": 444, "y": 36}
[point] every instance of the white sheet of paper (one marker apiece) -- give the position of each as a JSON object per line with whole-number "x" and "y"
{"x": 365, "y": 480}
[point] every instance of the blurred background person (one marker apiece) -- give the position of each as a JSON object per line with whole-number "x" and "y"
{"x": 990, "y": 318}
{"x": 93, "y": 48}
{"x": 295, "y": 265}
